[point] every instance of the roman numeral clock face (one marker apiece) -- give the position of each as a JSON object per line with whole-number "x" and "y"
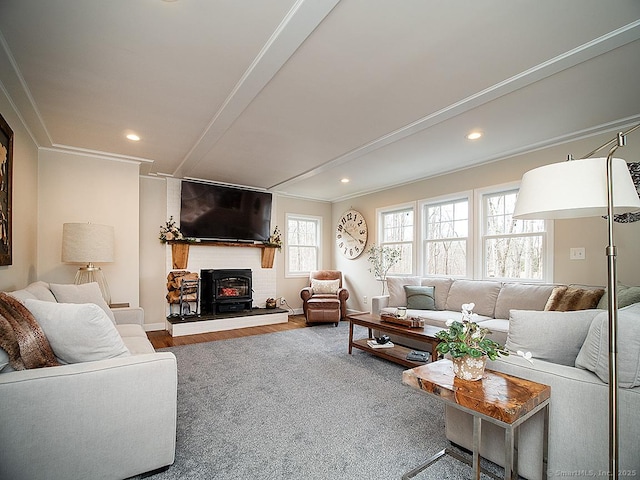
{"x": 351, "y": 234}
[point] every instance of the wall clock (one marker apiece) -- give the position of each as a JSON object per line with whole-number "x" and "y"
{"x": 351, "y": 234}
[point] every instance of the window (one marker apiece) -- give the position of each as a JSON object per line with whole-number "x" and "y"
{"x": 396, "y": 231}
{"x": 445, "y": 243}
{"x": 303, "y": 244}
{"x": 513, "y": 249}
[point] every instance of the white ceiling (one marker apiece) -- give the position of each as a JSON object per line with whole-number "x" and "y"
{"x": 292, "y": 96}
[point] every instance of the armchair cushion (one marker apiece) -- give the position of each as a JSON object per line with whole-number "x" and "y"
{"x": 325, "y": 286}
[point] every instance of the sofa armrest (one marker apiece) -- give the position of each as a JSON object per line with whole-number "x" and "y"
{"x": 114, "y": 418}
{"x": 379, "y": 302}
{"x": 128, "y": 315}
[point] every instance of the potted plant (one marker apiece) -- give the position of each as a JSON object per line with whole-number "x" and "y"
{"x": 468, "y": 346}
{"x": 381, "y": 260}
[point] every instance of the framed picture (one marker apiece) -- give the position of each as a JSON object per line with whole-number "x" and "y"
{"x": 6, "y": 174}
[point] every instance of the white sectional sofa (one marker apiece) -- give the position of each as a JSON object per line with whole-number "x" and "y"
{"x": 106, "y": 418}
{"x": 570, "y": 353}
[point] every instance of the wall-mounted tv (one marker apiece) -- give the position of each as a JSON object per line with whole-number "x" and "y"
{"x": 218, "y": 212}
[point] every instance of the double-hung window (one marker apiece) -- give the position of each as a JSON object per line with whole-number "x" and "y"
{"x": 303, "y": 244}
{"x": 512, "y": 249}
{"x": 445, "y": 240}
{"x": 397, "y": 231}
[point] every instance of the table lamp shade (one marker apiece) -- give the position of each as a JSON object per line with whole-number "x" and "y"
{"x": 87, "y": 243}
{"x": 573, "y": 189}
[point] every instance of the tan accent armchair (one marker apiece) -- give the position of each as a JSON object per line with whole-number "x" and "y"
{"x": 324, "y": 307}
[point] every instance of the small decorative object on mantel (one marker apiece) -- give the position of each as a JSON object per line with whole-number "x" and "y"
{"x": 466, "y": 343}
{"x": 170, "y": 231}
{"x": 411, "y": 322}
{"x": 275, "y": 240}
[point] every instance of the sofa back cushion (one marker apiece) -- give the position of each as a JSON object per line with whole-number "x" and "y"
{"x": 554, "y": 337}
{"x": 41, "y": 291}
{"x": 397, "y": 295}
{"x": 521, "y": 296}
{"x": 84, "y": 293}
{"x": 483, "y": 293}
{"x": 441, "y": 289}
{"x": 594, "y": 354}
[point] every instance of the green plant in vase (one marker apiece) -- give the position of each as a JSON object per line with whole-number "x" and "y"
{"x": 465, "y": 341}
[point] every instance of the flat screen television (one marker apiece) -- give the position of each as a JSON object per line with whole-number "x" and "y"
{"x": 218, "y": 212}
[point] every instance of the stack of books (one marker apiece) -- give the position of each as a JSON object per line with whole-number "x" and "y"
{"x": 374, "y": 344}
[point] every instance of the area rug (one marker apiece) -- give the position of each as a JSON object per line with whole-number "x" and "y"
{"x": 296, "y": 405}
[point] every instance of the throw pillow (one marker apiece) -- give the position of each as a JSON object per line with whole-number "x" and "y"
{"x": 594, "y": 354}
{"x": 626, "y": 296}
{"x": 397, "y": 296}
{"x": 554, "y": 337}
{"x": 84, "y": 293}
{"x": 325, "y": 286}
{"x": 420, "y": 298}
{"x": 564, "y": 298}
{"x": 78, "y": 332}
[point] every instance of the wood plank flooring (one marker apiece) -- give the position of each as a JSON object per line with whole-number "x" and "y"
{"x": 162, "y": 338}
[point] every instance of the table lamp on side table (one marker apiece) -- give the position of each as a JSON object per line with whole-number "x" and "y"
{"x": 89, "y": 243}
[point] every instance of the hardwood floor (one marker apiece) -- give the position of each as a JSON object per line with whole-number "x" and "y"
{"x": 162, "y": 339}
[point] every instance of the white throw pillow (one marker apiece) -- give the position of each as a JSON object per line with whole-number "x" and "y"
{"x": 84, "y": 293}
{"x": 78, "y": 332}
{"x": 325, "y": 286}
{"x": 552, "y": 336}
{"x": 594, "y": 354}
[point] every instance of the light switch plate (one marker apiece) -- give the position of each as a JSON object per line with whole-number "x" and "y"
{"x": 577, "y": 253}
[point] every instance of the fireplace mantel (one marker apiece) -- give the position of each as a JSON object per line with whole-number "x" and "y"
{"x": 268, "y": 250}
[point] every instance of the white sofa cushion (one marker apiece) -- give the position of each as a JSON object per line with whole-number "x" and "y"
{"x": 397, "y": 295}
{"x": 41, "y": 291}
{"x": 555, "y": 337}
{"x": 483, "y": 293}
{"x": 521, "y": 296}
{"x": 84, "y": 293}
{"x": 594, "y": 354}
{"x": 78, "y": 332}
{"x": 441, "y": 286}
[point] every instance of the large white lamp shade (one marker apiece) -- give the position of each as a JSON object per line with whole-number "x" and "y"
{"x": 574, "y": 189}
{"x": 89, "y": 243}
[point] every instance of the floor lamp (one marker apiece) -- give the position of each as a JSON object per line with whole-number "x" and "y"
{"x": 585, "y": 188}
{"x": 89, "y": 243}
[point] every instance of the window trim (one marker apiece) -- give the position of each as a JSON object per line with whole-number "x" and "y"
{"x": 547, "y": 242}
{"x": 441, "y": 199}
{"x": 380, "y": 225}
{"x": 296, "y": 216}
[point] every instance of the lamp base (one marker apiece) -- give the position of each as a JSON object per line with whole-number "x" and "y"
{"x": 91, "y": 273}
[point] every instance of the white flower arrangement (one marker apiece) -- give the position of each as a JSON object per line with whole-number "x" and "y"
{"x": 170, "y": 231}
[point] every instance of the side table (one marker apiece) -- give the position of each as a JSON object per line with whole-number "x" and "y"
{"x": 498, "y": 398}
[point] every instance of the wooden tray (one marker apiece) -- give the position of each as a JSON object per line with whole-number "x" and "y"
{"x": 411, "y": 322}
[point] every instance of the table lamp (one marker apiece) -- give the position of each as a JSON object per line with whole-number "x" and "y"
{"x": 89, "y": 243}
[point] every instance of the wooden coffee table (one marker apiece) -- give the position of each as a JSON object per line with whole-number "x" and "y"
{"x": 397, "y": 353}
{"x": 498, "y": 398}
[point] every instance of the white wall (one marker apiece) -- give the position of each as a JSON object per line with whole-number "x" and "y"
{"x": 25, "y": 203}
{"x": 590, "y": 233}
{"x": 153, "y": 214}
{"x": 82, "y": 188}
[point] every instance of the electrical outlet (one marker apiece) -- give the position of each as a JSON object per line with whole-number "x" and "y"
{"x": 366, "y": 300}
{"x": 577, "y": 253}
{"x": 283, "y": 301}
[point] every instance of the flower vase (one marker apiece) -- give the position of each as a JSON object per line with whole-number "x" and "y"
{"x": 469, "y": 368}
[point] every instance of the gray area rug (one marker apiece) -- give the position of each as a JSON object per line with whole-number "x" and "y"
{"x": 296, "y": 405}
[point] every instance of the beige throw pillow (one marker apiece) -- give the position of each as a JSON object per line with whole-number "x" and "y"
{"x": 325, "y": 286}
